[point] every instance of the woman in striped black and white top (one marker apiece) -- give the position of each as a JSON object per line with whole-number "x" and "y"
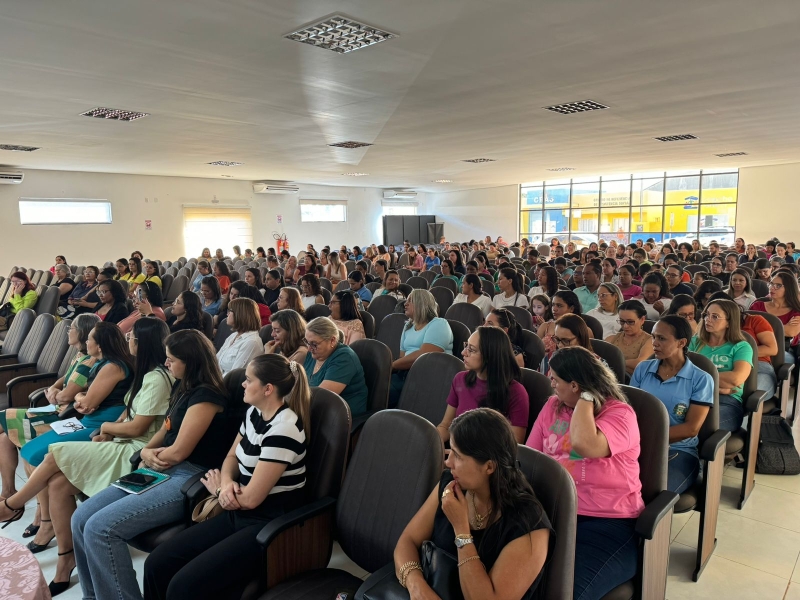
{"x": 262, "y": 477}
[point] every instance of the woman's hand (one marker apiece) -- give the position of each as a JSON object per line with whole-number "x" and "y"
{"x": 455, "y": 507}
{"x": 227, "y": 497}
{"x": 103, "y": 437}
{"x": 51, "y": 393}
{"x": 537, "y": 320}
{"x": 81, "y": 408}
{"x": 145, "y": 308}
{"x": 658, "y": 305}
{"x": 418, "y": 588}
{"x": 212, "y": 481}
{"x": 151, "y": 460}
{"x": 271, "y": 347}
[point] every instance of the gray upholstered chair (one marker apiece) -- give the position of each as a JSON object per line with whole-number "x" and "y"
{"x": 24, "y": 362}
{"x": 428, "y": 384}
{"x": 468, "y": 314}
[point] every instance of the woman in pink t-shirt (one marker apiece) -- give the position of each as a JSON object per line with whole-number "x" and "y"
{"x": 491, "y": 380}
{"x": 590, "y": 428}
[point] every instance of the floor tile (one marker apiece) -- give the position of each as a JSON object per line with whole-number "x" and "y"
{"x": 768, "y": 505}
{"x": 765, "y": 547}
{"x": 679, "y": 521}
{"x": 796, "y": 572}
{"x": 339, "y": 560}
{"x": 793, "y": 593}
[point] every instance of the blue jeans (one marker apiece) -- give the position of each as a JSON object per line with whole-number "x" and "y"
{"x": 606, "y": 555}
{"x": 767, "y": 379}
{"x": 682, "y": 470}
{"x": 731, "y": 413}
{"x": 102, "y": 525}
{"x": 396, "y": 387}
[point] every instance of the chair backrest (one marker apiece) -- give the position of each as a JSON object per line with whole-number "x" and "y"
{"x": 223, "y": 333}
{"x": 760, "y": 288}
{"x": 613, "y": 356}
{"x": 648, "y": 326}
{"x": 428, "y": 385}
{"x": 444, "y": 298}
{"x": 461, "y": 335}
{"x": 166, "y": 283}
{"x": 37, "y": 337}
{"x": 265, "y": 333}
{"x": 390, "y": 332}
{"x": 379, "y": 307}
{"x": 376, "y": 360}
{"x": 418, "y": 283}
{"x": 326, "y": 454}
{"x": 208, "y": 326}
{"x": 69, "y": 356}
{"x": 593, "y": 324}
{"x": 317, "y": 310}
{"x": 523, "y": 316}
{"x": 179, "y": 285}
{"x": 342, "y": 286}
{"x": 539, "y": 390}
{"x": 48, "y": 302}
{"x": 125, "y": 286}
{"x": 651, "y": 414}
{"x": 469, "y": 314}
{"x": 54, "y": 350}
{"x": 405, "y": 274}
{"x": 236, "y": 409}
{"x": 429, "y": 276}
{"x": 692, "y": 269}
{"x": 369, "y": 324}
{"x": 326, "y": 295}
{"x": 405, "y": 289}
{"x": 4, "y": 290}
{"x": 448, "y": 283}
{"x": 18, "y": 331}
{"x": 403, "y": 260}
{"x": 373, "y": 286}
{"x": 711, "y": 424}
{"x": 325, "y": 284}
{"x": 533, "y": 347}
{"x": 379, "y": 497}
{"x": 555, "y": 490}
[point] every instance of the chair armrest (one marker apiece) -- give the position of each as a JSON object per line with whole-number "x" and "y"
{"x": 6, "y": 359}
{"x": 713, "y": 443}
{"x": 784, "y": 371}
{"x": 190, "y": 483}
{"x": 25, "y": 385}
{"x": 295, "y": 517}
{"x": 95, "y": 433}
{"x": 136, "y": 459}
{"x": 755, "y": 401}
{"x": 385, "y": 572}
{"x": 36, "y": 397}
{"x": 9, "y": 372}
{"x": 654, "y": 512}
{"x": 69, "y": 413}
{"x": 14, "y": 366}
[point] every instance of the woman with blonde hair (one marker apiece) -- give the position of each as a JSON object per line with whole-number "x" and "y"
{"x": 244, "y": 344}
{"x": 609, "y": 297}
{"x": 289, "y": 298}
{"x": 288, "y": 336}
{"x": 336, "y": 270}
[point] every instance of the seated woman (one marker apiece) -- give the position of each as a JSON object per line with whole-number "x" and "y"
{"x": 687, "y": 392}
{"x": 504, "y": 319}
{"x": 336, "y": 270}
{"x": 191, "y": 440}
{"x": 656, "y": 297}
{"x": 113, "y": 306}
{"x": 18, "y": 429}
{"x": 589, "y": 427}
{"x": 187, "y": 313}
{"x": 750, "y": 254}
{"x": 311, "y": 290}
{"x": 357, "y": 282}
{"x": 471, "y": 292}
{"x": 288, "y": 336}
{"x": 252, "y": 276}
{"x": 512, "y": 292}
{"x": 233, "y": 292}
{"x": 431, "y": 260}
{"x": 685, "y": 307}
{"x": 264, "y": 313}
{"x": 740, "y": 289}
{"x": 147, "y": 302}
{"x": 346, "y": 316}
{"x": 65, "y": 285}
{"x": 390, "y": 287}
{"x": 123, "y": 272}
{"x": 289, "y": 298}
{"x": 223, "y": 275}
{"x": 449, "y": 271}
{"x": 609, "y": 267}
{"x": 704, "y": 291}
{"x": 83, "y": 296}
{"x": 423, "y": 332}
{"x": 212, "y": 295}
{"x": 482, "y": 490}
{"x": 626, "y": 284}
{"x": 244, "y": 344}
{"x": 635, "y": 343}
{"x": 784, "y": 303}
{"x": 219, "y": 255}
{"x": 262, "y": 477}
{"x": 273, "y": 284}
{"x": 291, "y": 272}
{"x": 609, "y": 298}
{"x": 21, "y": 294}
{"x": 458, "y": 261}
{"x": 720, "y": 339}
{"x": 60, "y": 260}
{"x": 717, "y": 270}
{"x": 205, "y": 255}
{"x": 763, "y": 269}
{"x": 136, "y": 272}
{"x": 491, "y": 381}
{"x": 332, "y": 365}
{"x": 548, "y": 281}
{"x": 88, "y": 467}
{"x": 151, "y": 273}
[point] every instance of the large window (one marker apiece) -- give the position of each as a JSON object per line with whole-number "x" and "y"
{"x": 210, "y": 227}
{"x": 684, "y": 206}
{"x": 391, "y": 209}
{"x": 323, "y": 210}
{"x": 63, "y": 211}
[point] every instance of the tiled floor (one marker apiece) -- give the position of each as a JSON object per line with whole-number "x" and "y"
{"x": 757, "y": 554}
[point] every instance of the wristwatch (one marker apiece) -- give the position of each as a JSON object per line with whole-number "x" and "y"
{"x": 587, "y": 396}
{"x": 463, "y": 540}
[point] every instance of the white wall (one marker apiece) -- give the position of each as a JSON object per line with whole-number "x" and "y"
{"x": 475, "y": 214}
{"x": 135, "y": 198}
{"x": 768, "y": 203}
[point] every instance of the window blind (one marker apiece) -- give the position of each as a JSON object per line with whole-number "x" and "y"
{"x": 211, "y": 227}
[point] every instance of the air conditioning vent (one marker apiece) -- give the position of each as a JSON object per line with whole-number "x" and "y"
{"x": 399, "y": 195}
{"x": 274, "y": 188}
{"x": 10, "y": 177}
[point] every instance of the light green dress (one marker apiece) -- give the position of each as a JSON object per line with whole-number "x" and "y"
{"x": 92, "y": 466}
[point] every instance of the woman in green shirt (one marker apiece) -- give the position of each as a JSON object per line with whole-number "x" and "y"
{"x": 23, "y": 295}
{"x": 449, "y": 272}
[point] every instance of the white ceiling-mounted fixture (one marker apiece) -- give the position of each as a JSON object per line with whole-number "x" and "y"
{"x": 399, "y": 195}
{"x": 274, "y": 188}
{"x": 340, "y": 34}
{"x": 11, "y": 177}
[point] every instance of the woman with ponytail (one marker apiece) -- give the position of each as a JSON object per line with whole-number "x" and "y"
{"x": 483, "y": 512}
{"x": 512, "y": 292}
{"x": 262, "y": 477}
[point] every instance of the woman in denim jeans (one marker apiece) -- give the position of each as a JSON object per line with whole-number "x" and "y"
{"x": 195, "y": 437}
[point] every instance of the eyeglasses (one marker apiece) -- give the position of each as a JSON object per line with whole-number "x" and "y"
{"x": 605, "y": 295}
{"x": 623, "y": 323}
{"x": 713, "y": 316}
{"x": 689, "y": 316}
{"x": 101, "y": 292}
{"x": 777, "y": 286}
{"x": 470, "y": 349}
{"x": 563, "y": 341}
{"x": 311, "y": 345}
{"x": 669, "y": 275}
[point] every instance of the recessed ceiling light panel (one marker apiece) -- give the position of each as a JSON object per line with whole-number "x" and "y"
{"x": 355, "y": 174}
{"x": 676, "y": 138}
{"x": 731, "y": 154}
{"x": 340, "y": 34}
{"x": 14, "y": 148}
{"x": 562, "y": 169}
{"x": 580, "y": 106}
{"x": 114, "y": 114}
{"x": 224, "y": 163}
{"x": 442, "y": 181}
{"x": 350, "y": 145}
{"x": 479, "y": 160}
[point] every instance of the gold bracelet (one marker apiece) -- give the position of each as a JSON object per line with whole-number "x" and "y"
{"x": 406, "y": 572}
{"x": 466, "y": 560}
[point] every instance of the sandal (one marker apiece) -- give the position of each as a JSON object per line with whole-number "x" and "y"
{"x": 59, "y": 587}
{"x": 32, "y": 529}
{"x": 18, "y": 512}
{"x": 36, "y": 548}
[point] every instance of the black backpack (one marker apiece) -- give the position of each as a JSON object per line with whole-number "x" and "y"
{"x": 776, "y": 452}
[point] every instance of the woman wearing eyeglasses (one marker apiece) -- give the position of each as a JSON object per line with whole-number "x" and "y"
{"x": 635, "y": 343}
{"x": 332, "y": 365}
{"x": 112, "y": 307}
{"x": 609, "y": 297}
{"x": 685, "y": 307}
{"x": 720, "y": 339}
{"x": 345, "y": 314}
{"x": 784, "y": 303}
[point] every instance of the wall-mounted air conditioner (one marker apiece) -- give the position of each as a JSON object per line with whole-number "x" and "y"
{"x": 274, "y": 188}
{"x": 399, "y": 195}
{"x": 11, "y": 177}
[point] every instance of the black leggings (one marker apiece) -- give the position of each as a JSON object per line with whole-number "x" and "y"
{"x": 215, "y": 559}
